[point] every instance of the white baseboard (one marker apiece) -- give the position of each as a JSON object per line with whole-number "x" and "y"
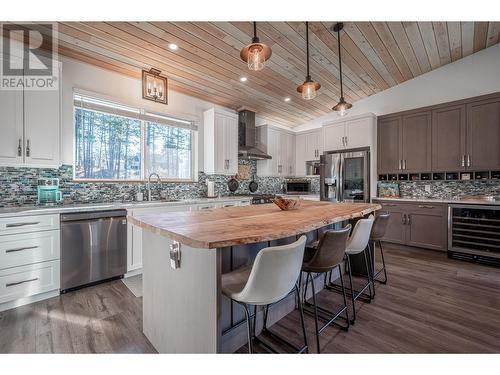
{"x": 135, "y": 272}
{"x": 27, "y": 300}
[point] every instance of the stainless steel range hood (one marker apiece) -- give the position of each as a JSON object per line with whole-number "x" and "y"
{"x": 247, "y": 135}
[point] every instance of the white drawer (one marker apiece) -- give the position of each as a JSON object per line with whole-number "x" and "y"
{"x": 27, "y": 224}
{"x": 23, "y": 249}
{"x": 27, "y": 281}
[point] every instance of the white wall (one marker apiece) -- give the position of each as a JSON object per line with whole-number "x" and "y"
{"x": 474, "y": 75}
{"x": 124, "y": 89}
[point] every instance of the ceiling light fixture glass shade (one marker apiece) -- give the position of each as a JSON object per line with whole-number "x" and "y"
{"x": 309, "y": 88}
{"x": 256, "y": 53}
{"x": 342, "y": 106}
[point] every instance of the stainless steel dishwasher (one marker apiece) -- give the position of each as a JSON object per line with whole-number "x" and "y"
{"x": 93, "y": 247}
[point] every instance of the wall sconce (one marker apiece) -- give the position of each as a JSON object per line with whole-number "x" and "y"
{"x": 154, "y": 86}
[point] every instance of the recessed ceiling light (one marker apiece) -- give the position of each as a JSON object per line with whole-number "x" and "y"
{"x": 173, "y": 46}
{"x": 287, "y": 99}
{"x": 243, "y": 79}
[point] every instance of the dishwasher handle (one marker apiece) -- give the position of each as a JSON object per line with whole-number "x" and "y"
{"x": 80, "y": 216}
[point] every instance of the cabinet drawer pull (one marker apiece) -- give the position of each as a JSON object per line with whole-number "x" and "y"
{"x": 15, "y": 225}
{"x": 21, "y": 282}
{"x": 21, "y": 249}
{"x": 389, "y": 204}
{"x": 425, "y": 206}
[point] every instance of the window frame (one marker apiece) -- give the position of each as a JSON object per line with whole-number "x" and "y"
{"x": 144, "y": 151}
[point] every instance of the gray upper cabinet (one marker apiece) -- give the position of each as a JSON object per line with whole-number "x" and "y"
{"x": 448, "y": 139}
{"x": 416, "y": 147}
{"x": 451, "y": 137}
{"x": 483, "y": 135}
{"x": 389, "y": 136}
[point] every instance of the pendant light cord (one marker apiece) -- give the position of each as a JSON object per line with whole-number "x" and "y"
{"x": 340, "y": 64}
{"x": 307, "y": 49}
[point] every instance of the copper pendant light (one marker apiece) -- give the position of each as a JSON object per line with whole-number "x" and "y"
{"x": 342, "y": 106}
{"x": 309, "y": 88}
{"x": 256, "y": 53}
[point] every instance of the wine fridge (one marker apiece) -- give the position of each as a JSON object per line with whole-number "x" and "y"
{"x": 474, "y": 233}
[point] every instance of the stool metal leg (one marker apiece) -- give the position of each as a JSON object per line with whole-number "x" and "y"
{"x": 249, "y": 328}
{"x": 368, "y": 277}
{"x": 384, "y": 281}
{"x": 343, "y": 295}
{"x": 315, "y": 312}
{"x": 351, "y": 287}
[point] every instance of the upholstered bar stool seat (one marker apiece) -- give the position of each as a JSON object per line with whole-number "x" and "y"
{"x": 270, "y": 279}
{"x": 328, "y": 255}
{"x": 357, "y": 244}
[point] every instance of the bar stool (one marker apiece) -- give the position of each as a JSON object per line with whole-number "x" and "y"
{"x": 323, "y": 258}
{"x": 357, "y": 244}
{"x": 378, "y": 232}
{"x": 270, "y": 279}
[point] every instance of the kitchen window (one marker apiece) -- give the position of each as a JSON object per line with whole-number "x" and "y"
{"x": 114, "y": 142}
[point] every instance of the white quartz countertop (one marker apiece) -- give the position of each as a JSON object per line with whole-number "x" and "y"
{"x": 43, "y": 210}
{"x": 445, "y": 201}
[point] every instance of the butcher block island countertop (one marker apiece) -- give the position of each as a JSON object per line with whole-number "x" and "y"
{"x": 221, "y": 227}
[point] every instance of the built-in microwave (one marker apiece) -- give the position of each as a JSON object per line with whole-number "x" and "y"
{"x": 298, "y": 186}
{"x": 312, "y": 168}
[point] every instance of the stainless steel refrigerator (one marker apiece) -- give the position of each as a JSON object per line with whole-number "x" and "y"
{"x": 345, "y": 175}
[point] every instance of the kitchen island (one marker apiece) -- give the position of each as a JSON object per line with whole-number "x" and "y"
{"x": 186, "y": 253}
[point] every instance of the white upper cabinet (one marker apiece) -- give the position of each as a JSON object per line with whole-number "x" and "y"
{"x": 308, "y": 147}
{"x": 334, "y": 136}
{"x": 30, "y": 122}
{"x": 11, "y": 125}
{"x": 349, "y": 133}
{"x": 220, "y": 142}
{"x": 41, "y": 128}
{"x": 280, "y": 145}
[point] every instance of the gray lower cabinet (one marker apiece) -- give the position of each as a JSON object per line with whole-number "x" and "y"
{"x": 416, "y": 224}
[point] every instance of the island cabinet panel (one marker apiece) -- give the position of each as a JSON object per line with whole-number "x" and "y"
{"x": 416, "y": 142}
{"x": 416, "y": 224}
{"x": 483, "y": 135}
{"x": 389, "y": 145}
{"x": 448, "y": 139}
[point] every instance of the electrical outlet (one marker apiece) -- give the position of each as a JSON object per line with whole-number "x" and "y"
{"x": 427, "y": 188}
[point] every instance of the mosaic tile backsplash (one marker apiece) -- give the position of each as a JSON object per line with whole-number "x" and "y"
{"x": 18, "y": 186}
{"x": 448, "y": 189}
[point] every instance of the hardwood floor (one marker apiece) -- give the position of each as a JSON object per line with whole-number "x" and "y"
{"x": 431, "y": 304}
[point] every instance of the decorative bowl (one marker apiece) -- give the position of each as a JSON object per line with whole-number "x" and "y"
{"x": 287, "y": 204}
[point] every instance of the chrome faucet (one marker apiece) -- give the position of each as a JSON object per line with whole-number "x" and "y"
{"x": 148, "y": 186}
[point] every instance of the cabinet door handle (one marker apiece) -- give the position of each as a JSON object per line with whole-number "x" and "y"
{"x": 469, "y": 161}
{"x": 20, "y": 148}
{"x": 463, "y": 160}
{"x": 404, "y": 219}
{"x": 28, "y": 149}
{"x": 408, "y": 219}
{"x": 399, "y": 164}
{"x": 21, "y": 249}
{"x": 404, "y": 163}
{"x": 15, "y": 225}
{"x": 20, "y": 282}
{"x": 346, "y": 140}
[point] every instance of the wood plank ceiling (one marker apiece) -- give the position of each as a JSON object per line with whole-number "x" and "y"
{"x": 376, "y": 56}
